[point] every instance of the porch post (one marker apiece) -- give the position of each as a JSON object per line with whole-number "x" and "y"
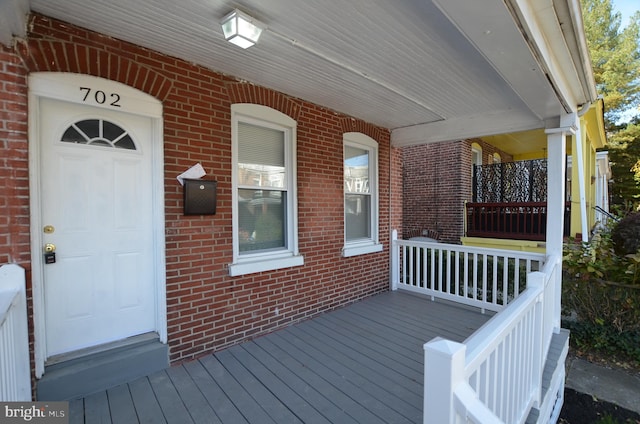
{"x": 556, "y": 169}
{"x": 444, "y": 363}
{"x": 580, "y": 144}
{"x": 394, "y": 250}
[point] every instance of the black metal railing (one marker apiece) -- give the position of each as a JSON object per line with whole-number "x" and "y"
{"x": 513, "y": 220}
{"x": 509, "y": 182}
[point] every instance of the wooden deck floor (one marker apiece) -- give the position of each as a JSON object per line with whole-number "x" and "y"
{"x": 359, "y": 364}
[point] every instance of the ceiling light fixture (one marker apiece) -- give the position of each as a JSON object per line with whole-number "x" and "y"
{"x": 241, "y": 29}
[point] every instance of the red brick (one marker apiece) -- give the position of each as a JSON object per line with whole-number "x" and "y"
{"x": 207, "y": 309}
{"x": 437, "y": 183}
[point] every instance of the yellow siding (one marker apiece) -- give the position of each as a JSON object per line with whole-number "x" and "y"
{"x": 491, "y": 243}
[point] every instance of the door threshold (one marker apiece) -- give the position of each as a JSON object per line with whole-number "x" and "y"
{"x": 92, "y": 350}
{"x": 77, "y": 374}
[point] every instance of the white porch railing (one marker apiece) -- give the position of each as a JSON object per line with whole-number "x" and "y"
{"x": 495, "y": 376}
{"x": 15, "y": 377}
{"x": 485, "y": 278}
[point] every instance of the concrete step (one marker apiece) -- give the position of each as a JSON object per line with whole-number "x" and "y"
{"x": 78, "y": 374}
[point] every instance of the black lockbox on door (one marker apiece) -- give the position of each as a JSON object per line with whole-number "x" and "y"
{"x": 199, "y": 197}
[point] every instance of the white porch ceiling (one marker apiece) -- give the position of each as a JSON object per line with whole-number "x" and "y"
{"x": 428, "y": 70}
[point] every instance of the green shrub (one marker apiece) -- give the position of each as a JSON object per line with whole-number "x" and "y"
{"x": 605, "y": 339}
{"x": 601, "y": 289}
{"x": 626, "y": 235}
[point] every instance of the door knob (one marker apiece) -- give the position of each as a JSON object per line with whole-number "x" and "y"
{"x": 49, "y": 248}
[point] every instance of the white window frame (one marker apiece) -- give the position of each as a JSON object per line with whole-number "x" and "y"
{"x": 476, "y": 154}
{"x": 370, "y": 245}
{"x": 288, "y": 256}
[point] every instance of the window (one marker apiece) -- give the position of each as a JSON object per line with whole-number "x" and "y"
{"x": 98, "y": 132}
{"x": 476, "y": 174}
{"x": 476, "y": 154}
{"x": 265, "y": 233}
{"x": 497, "y": 158}
{"x": 360, "y": 195}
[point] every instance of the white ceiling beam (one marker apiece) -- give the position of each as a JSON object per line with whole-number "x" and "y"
{"x": 460, "y": 128}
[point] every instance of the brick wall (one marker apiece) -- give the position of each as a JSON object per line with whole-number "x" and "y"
{"x": 207, "y": 309}
{"x": 437, "y": 182}
{"x": 14, "y": 172}
{"x": 14, "y": 182}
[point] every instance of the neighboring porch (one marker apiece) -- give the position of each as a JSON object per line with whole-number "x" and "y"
{"x": 510, "y": 202}
{"x": 359, "y": 364}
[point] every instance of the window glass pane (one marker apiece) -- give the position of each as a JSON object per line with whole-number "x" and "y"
{"x": 260, "y": 156}
{"x": 126, "y": 143}
{"x": 356, "y": 170}
{"x": 111, "y": 131}
{"x": 261, "y": 176}
{"x": 71, "y": 135}
{"x": 91, "y": 127}
{"x": 100, "y": 142}
{"x": 261, "y": 219}
{"x": 358, "y": 216}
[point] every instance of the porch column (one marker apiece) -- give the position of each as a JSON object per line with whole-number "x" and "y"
{"x": 556, "y": 177}
{"x": 556, "y": 181}
{"x": 579, "y": 146}
{"x": 394, "y": 251}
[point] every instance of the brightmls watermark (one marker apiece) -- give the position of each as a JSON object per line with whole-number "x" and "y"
{"x": 34, "y": 412}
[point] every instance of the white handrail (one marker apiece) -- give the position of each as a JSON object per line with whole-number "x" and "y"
{"x": 482, "y": 277}
{"x": 15, "y": 377}
{"x": 497, "y": 372}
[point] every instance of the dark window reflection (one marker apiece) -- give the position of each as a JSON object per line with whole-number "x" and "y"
{"x": 99, "y": 133}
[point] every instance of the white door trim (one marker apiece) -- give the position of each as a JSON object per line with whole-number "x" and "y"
{"x": 97, "y": 92}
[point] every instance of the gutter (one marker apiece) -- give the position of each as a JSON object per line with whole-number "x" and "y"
{"x": 581, "y": 50}
{"x": 554, "y": 32}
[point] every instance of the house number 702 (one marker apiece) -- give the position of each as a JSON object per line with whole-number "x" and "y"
{"x": 100, "y": 97}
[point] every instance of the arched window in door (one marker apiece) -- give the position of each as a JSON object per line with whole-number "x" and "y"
{"x": 98, "y": 132}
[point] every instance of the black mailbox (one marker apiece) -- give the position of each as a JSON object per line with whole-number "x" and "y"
{"x": 199, "y": 197}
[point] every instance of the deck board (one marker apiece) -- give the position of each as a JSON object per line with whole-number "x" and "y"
{"x": 297, "y": 399}
{"x": 360, "y": 405}
{"x": 344, "y": 374}
{"x": 76, "y": 411}
{"x": 269, "y": 403}
{"x": 328, "y": 401}
{"x": 221, "y": 405}
{"x": 195, "y": 402}
{"x": 169, "y": 399}
{"x": 96, "y": 408}
{"x": 145, "y": 402}
{"x": 121, "y": 404}
{"x": 359, "y": 364}
{"x": 237, "y": 394}
{"x": 359, "y": 371}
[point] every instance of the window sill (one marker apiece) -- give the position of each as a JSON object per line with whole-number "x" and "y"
{"x": 361, "y": 249}
{"x": 264, "y": 264}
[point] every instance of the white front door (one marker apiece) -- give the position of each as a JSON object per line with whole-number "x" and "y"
{"x": 96, "y": 208}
